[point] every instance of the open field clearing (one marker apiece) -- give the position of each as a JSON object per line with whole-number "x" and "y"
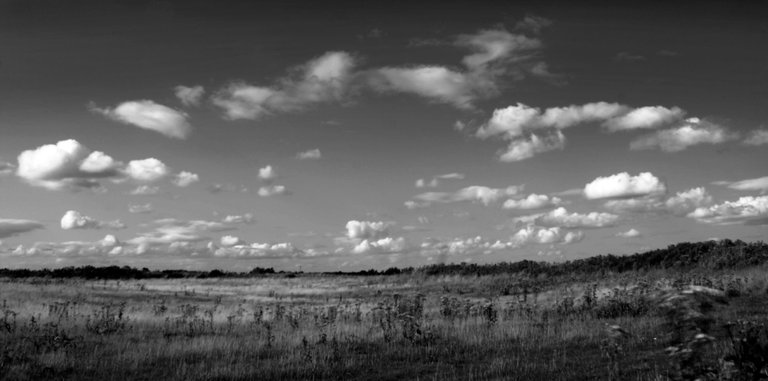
{"x": 658, "y": 325}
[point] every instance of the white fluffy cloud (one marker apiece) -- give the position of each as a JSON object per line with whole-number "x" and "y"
{"x": 65, "y": 165}
{"x": 267, "y": 173}
{"x": 679, "y": 204}
{"x": 246, "y": 218}
{"x": 258, "y": 250}
{"x": 73, "y": 219}
{"x": 687, "y": 201}
{"x": 694, "y": 132}
{"x": 382, "y": 245}
{"x": 645, "y": 117}
{"x": 367, "y": 229}
{"x": 532, "y": 234}
{"x": 624, "y": 185}
{"x": 147, "y": 170}
{"x": 746, "y": 210}
{"x": 760, "y": 183}
{"x": 757, "y": 138}
{"x": 323, "y": 79}
{"x": 189, "y": 96}
{"x": 149, "y": 115}
{"x": 185, "y": 179}
{"x": 560, "y": 217}
{"x": 474, "y": 193}
{"x": 533, "y": 201}
{"x": 229, "y": 240}
{"x": 313, "y": 154}
{"x": 526, "y": 148}
{"x": 11, "y": 227}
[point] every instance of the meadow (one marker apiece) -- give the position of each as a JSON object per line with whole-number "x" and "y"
{"x": 637, "y": 325}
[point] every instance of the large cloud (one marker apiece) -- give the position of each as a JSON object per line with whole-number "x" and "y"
{"x": 624, "y": 185}
{"x": 695, "y": 131}
{"x": 323, "y": 79}
{"x": 65, "y": 165}
{"x": 73, "y": 219}
{"x": 367, "y": 229}
{"x": 746, "y": 210}
{"x": 368, "y": 237}
{"x": 149, "y": 115}
{"x": 11, "y": 227}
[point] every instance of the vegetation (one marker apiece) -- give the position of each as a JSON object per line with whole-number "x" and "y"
{"x": 638, "y": 317}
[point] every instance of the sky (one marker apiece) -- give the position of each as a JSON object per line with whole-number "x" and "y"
{"x": 353, "y": 135}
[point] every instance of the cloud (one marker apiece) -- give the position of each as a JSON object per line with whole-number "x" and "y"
{"x": 624, "y": 185}
{"x": 272, "y": 190}
{"x": 171, "y": 230}
{"x": 145, "y": 190}
{"x": 383, "y": 245}
{"x": 533, "y": 201}
{"x": 532, "y": 234}
{"x": 746, "y": 210}
{"x": 321, "y": 80}
{"x": 680, "y": 204}
{"x": 189, "y": 96}
{"x": 695, "y": 131}
{"x": 631, "y": 233}
{"x": 496, "y": 54}
{"x": 760, "y": 183}
{"x": 533, "y": 23}
{"x": 526, "y": 148}
{"x": 229, "y": 240}
{"x": 73, "y": 219}
{"x": 149, "y": 115}
{"x": 313, "y": 154}
{"x": 367, "y": 229}
{"x": 247, "y": 218}
{"x": 561, "y": 218}
{"x": 6, "y": 168}
{"x": 474, "y": 193}
{"x": 461, "y": 246}
{"x": 65, "y": 165}
{"x": 267, "y": 173}
{"x": 11, "y": 227}
{"x": 645, "y": 117}
{"x": 756, "y": 138}
{"x": 140, "y": 208}
{"x": 258, "y": 250}
{"x": 185, "y": 179}
{"x": 147, "y": 170}
{"x": 422, "y": 183}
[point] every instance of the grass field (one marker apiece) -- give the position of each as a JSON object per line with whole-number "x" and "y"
{"x": 650, "y": 326}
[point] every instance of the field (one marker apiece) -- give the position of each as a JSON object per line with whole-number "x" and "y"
{"x": 637, "y": 326}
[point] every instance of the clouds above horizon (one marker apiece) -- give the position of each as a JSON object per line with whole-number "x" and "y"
{"x": 73, "y": 219}
{"x": 149, "y": 115}
{"x": 474, "y": 193}
{"x": 624, "y": 185}
{"x": 11, "y": 227}
{"x": 693, "y": 132}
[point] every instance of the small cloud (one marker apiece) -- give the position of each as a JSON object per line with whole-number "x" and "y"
{"x": 189, "y": 96}
{"x": 140, "y": 208}
{"x": 533, "y": 201}
{"x": 313, "y": 154}
{"x": 272, "y": 190}
{"x": 185, "y": 179}
{"x": 631, "y": 233}
{"x": 533, "y": 24}
{"x": 561, "y": 218}
{"x": 267, "y": 173}
{"x": 645, "y": 117}
{"x": 746, "y": 210}
{"x": 147, "y": 170}
{"x": 474, "y": 193}
{"x": 145, "y": 190}
{"x": 628, "y": 57}
{"x": 6, "y": 168}
{"x": 423, "y": 183}
{"x": 73, "y": 219}
{"x": 149, "y": 115}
